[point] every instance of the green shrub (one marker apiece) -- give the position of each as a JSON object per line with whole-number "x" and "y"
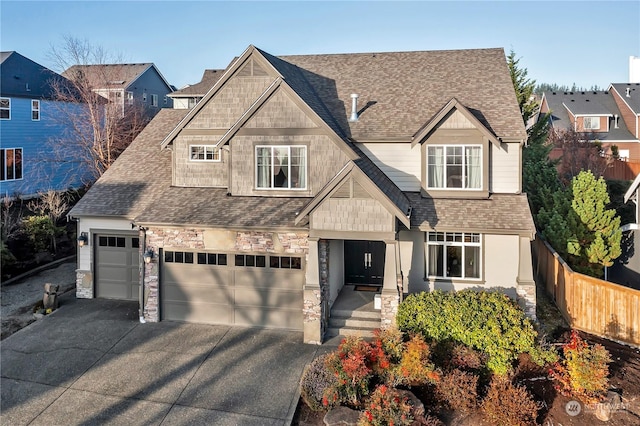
{"x": 584, "y": 371}
{"x": 8, "y": 259}
{"x": 509, "y": 405}
{"x": 386, "y": 407}
{"x": 315, "y": 381}
{"x": 458, "y": 390}
{"x": 487, "y": 321}
{"x": 41, "y": 231}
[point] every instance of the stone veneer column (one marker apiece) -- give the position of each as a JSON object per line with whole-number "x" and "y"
{"x": 526, "y": 287}
{"x": 312, "y": 310}
{"x": 390, "y": 296}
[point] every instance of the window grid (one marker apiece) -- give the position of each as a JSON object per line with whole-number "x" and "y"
{"x": 5, "y": 108}
{"x": 591, "y": 123}
{"x": 35, "y": 110}
{"x": 281, "y": 167}
{"x": 154, "y": 100}
{"x": 10, "y": 164}
{"x": 454, "y": 255}
{"x": 204, "y": 153}
{"x": 454, "y": 167}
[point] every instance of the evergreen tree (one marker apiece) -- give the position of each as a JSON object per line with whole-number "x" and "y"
{"x": 523, "y": 86}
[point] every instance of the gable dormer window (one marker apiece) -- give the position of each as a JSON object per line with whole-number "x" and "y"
{"x": 204, "y": 153}
{"x": 454, "y": 167}
{"x": 281, "y": 167}
{"x": 591, "y": 123}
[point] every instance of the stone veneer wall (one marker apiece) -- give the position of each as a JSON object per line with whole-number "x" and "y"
{"x": 390, "y": 300}
{"x": 194, "y": 239}
{"x": 323, "y": 252}
{"x": 84, "y": 284}
{"x": 526, "y": 298}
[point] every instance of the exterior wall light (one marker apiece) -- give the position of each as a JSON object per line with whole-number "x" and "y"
{"x": 83, "y": 239}
{"x": 148, "y": 255}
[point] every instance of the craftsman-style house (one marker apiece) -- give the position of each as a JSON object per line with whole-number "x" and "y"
{"x": 298, "y": 178}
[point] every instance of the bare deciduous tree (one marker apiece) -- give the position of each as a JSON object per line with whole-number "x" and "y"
{"x": 100, "y": 123}
{"x": 580, "y": 151}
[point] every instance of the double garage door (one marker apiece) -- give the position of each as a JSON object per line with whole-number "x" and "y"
{"x": 239, "y": 289}
{"x": 117, "y": 266}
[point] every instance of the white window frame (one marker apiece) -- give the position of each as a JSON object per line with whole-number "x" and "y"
{"x": 129, "y": 97}
{"x": 154, "y": 100}
{"x": 594, "y": 123}
{"x": 463, "y": 178}
{"x": 6, "y": 108}
{"x": 35, "y": 108}
{"x": 3, "y": 172}
{"x": 288, "y": 187}
{"x": 450, "y": 239}
{"x": 204, "y": 150}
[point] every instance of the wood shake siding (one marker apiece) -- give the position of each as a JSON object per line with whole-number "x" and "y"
{"x": 629, "y": 117}
{"x": 280, "y": 112}
{"x": 324, "y": 161}
{"x": 198, "y": 173}
{"x": 353, "y": 214}
{"x": 226, "y": 107}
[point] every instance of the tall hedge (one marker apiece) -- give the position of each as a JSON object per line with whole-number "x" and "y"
{"x": 485, "y": 320}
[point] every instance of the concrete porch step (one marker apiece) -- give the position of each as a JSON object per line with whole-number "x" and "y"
{"x": 355, "y": 322}
{"x": 361, "y": 313}
{"x": 332, "y": 332}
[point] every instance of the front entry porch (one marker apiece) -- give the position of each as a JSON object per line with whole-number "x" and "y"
{"x": 343, "y": 279}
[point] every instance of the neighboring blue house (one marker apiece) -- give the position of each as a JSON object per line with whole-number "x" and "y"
{"x": 127, "y": 84}
{"x": 32, "y": 155}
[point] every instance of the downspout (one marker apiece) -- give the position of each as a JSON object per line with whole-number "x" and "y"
{"x": 143, "y": 268}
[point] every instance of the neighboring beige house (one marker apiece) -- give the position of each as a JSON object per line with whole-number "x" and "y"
{"x": 296, "y": 177}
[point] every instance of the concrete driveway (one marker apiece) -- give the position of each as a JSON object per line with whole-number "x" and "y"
{"x": 93, "y": 362}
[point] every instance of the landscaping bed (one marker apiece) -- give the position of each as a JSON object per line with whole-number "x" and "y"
{"x": 551, "y": 407}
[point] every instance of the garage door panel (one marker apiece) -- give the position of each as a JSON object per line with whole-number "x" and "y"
{"x": 197, "y": 274}
{"x": 112, "y": 257}
{"x": 117, "y": 266}
{"x": 183, "y": 293}
{"x": 269, "y": 278}
{"x": 114, "y": 274}
{"x": 268, "y": 297}
{"x": 114, "y": 290}
{"x": 268, "y": 317}
{"x": 205, "y": 313}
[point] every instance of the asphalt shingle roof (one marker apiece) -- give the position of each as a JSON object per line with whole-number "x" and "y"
{"x": 500, "y": 212}
{"x": 401, "y": 91}
{"x": 587, "y": 102}
{"x": 634, "y": 94}
{"x": 209, "y": 78}
{"x": 115, "y": 75}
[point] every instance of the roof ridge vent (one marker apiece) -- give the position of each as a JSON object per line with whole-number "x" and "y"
{"x": 354, "y": 107}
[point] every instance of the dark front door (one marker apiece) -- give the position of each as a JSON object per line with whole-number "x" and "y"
{"x": 364, "y": 262}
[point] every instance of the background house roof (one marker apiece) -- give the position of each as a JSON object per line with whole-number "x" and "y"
{"x": 588, "y": 102}
{"x": 634, "y": 91}
{"x": 209, "y": 78}
{"x": 22, "y": 77}
{"x": 112, "y": 76}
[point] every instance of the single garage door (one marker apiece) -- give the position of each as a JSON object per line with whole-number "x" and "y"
{"x": 239, "y": 289}
{"x": 117, "y": 266}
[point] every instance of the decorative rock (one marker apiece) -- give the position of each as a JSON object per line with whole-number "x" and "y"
{"x": 50, "y": 297}
{"x": 341, "y": 416}
{"x": 603, "y": 410}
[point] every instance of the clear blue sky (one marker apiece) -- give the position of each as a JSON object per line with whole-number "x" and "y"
{"x": 582, "y": 42}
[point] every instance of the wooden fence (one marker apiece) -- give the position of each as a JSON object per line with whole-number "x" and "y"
{"x": 622, "y": 170}
{"x": 588, "y": 304}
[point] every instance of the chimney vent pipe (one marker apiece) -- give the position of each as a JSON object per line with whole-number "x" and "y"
{"x": 616, "y": 120}
{"x": 354, "y": 107}
{"x": 628, "y": 92}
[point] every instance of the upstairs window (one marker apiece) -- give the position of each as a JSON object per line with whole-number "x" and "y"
{"x": 129, "y": 97}
{"x": 454, "y": 167}
{"x": 5, "y": 109}
{"x": 154, "y": 100}
{"x": 591, "y": 123}
{"x": 35, "y": 110}
{"x": 10, "y": 164}
{"x": 204, "y": 153}
{"x": 453, "y": 255}
{"x": 281, "y": 167}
